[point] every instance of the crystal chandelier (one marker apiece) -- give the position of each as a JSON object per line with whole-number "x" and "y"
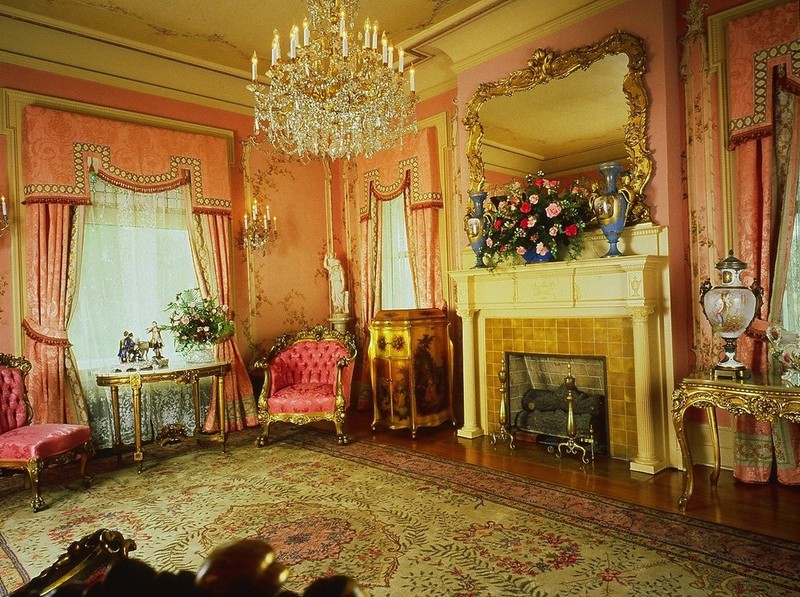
{"x": 339, "y": 91}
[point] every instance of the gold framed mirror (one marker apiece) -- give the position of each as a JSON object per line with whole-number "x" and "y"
{"x": 625, "y": 89}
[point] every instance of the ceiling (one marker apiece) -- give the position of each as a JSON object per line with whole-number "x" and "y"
{"x": 200, "y": 50}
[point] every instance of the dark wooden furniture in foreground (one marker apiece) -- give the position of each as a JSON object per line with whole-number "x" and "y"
{"x": 762, "y": 396}
{"x": 187, "y": 374}
{"x": 98, "y": 565}
{"x": 86, "y": 562}
{"x": 31, "y": 447}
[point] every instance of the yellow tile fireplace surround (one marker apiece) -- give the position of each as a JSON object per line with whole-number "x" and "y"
{"x": 617, "y": 308}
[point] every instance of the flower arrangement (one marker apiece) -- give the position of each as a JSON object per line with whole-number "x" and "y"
{"x": 198, "y": 321}
{"x": 537, "y": 217}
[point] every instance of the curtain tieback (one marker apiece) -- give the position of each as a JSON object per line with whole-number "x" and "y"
{"x": 45, "y": 335}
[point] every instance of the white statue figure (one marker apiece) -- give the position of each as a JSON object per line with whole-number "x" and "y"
{"x": 336, "y": 279}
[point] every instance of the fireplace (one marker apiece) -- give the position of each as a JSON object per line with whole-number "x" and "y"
{"x": 539, "y": 389}
{"x": 614, "y": 308}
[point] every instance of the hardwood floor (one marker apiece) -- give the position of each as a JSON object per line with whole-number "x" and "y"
{"x": 772, "y": 510}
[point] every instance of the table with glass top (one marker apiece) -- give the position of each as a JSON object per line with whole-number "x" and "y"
{"x": 764, "y": 396}
{"x": 188, "y": 373}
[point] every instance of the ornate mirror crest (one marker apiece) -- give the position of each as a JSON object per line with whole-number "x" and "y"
{"x": 545, "y": 66}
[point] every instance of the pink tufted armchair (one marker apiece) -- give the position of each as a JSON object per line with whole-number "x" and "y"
{"x": 307, "y": 377}
{"x": 31, "y": 448}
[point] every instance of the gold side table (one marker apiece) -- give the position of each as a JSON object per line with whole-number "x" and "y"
{"x": 188, "y": 374}
{"x": 763, "y": 396}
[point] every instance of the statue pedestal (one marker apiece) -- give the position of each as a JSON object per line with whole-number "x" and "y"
{"x": 340, "y": 322}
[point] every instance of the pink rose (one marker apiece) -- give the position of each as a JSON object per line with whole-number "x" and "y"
{"x": 553, "y": 230}
{"x": 489, "y": 242}
{"x": 521, "y": 250}
{"x": 541, "y": 249}
{"x": 534, "y": 199}
{"x": 553, "y": 210}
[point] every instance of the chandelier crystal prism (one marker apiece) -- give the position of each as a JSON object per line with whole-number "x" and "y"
{"x": 338, "y": 91}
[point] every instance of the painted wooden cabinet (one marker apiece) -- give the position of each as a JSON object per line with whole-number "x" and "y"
{"x": 411, "y": 366}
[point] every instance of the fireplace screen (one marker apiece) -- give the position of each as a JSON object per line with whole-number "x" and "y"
{"x": 557, "y": 400}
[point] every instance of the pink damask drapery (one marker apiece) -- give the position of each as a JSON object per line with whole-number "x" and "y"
{"x": 412, "y": 169}
{"x": 59, "y": 148}
{"x": 49, "y": 303}
{"x": 760, "y": 47}
{"x": 214, "y": 230}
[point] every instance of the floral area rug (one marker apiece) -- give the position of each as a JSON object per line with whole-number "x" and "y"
{"x": 400, "y": 522}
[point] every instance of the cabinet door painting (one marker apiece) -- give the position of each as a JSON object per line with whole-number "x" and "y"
{"x": 410, "y": 364}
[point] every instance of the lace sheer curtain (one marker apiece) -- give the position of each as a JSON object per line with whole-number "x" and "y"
{"x": 397, "y": 285}
{"x": 790, "y": 316}
{"x": 790, "y": 307}
{"x": 136, "y": 257}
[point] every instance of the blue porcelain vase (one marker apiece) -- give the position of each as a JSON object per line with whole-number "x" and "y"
{"x": 475, "y": 226}
{"x": 611, "y": 208}
{"x": 531, "y": 256}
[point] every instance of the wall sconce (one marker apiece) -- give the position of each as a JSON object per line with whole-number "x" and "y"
{"x": 259, "y": 229}
{"x": 5, "y": 222}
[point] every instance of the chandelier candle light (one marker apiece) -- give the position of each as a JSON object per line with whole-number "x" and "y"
{"x": 338, "y": 91}
{"x": 4, "y": 223}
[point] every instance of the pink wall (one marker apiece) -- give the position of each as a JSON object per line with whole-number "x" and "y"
{"x": 295, "y": 193}
{"x": 654, "y": 21}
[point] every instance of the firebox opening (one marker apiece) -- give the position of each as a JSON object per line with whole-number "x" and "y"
{"x": 538, "y": 403}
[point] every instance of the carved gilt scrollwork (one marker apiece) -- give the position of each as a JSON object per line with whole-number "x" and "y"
{"x": 546, "y": 65}
{"x": 763, "y": 406}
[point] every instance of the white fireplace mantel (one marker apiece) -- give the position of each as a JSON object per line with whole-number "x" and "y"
{"x": 633, "y": 286}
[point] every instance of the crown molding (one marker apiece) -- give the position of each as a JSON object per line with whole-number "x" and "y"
{"x": 48, "y": 46}
{"x": 483, "y": 53}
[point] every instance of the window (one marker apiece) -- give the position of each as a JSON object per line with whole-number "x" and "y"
{"x": 136, "y": 257}
{"x": 397, "y": 286}
{"x": 790, "y": 315}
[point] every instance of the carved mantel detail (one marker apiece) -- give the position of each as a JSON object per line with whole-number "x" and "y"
{"x": 635, "y": 287}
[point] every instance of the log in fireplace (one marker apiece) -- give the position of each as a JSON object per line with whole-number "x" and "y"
{"x": 556, "y": 400}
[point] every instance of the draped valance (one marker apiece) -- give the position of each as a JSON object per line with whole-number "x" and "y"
{"x": 411, "y": 168}
{"x": 756, "y": 44}
{"x": 61, "y": 148}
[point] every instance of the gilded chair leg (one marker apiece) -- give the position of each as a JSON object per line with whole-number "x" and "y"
{"x": 263, "y": 438}
{"x": 264, "y": 418}
{"x": 341, "y": 436}
{"x": 83, "y": 456}
{"x": 34, "y": 470}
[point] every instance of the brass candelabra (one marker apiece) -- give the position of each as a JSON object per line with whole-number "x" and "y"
{"x": 5, "y": 223}
{"x": 259, "y": 229}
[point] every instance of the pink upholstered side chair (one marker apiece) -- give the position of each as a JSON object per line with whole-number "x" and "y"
{"x": 307, "y": 377}
{"x": 32, "y": 448}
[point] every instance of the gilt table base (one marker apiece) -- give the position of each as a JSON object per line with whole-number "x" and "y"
{"x": 763, "y": 396}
